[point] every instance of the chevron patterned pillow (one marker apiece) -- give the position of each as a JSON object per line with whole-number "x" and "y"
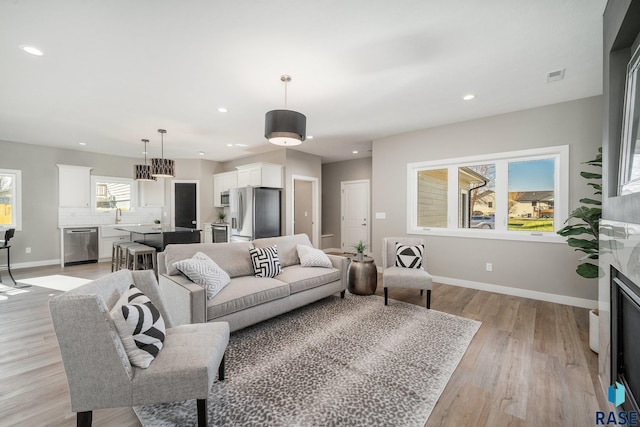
{"x": 140, "y": 327}
{"x": 409, "y": 256}
{"x": 265, "y": 261}
{"x": 312, "y": 257}
{"x": 202, "y": 270}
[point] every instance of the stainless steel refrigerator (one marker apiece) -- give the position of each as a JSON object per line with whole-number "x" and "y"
{"x": 255, "y": 213}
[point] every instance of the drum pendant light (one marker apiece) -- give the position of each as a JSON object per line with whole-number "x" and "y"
{"x": 285, "y": 127}
{"x": 143, "y": 172}
{"x": 162, "y": 168}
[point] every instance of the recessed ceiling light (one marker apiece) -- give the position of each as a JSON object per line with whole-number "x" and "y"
{"x": 222, "y": 110}
{"x": 241, "y": 145}
{"x": 145, "y": 153}
{"x": 229, "y": 145}
{"x": 468, "y": 97}
{"x": 355, "y": 151}
{"x": 82, "y": 143}
{"x": 32, "y": 50}
{"x": 201, "y": 153}
{"x": 309, "y": 136}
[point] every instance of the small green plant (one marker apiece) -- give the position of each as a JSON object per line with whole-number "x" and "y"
{"x": 360, "y": 247}
{"x": 221, "y": 216}
{"x": 589, "y": 224}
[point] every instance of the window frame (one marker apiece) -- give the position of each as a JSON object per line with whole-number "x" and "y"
{"x": 132, "y": 184}
{"x": 16, "y": 194}
{"x": 559, "y": 153}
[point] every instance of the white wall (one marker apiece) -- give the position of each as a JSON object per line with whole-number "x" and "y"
{"x": 523, "y": 267}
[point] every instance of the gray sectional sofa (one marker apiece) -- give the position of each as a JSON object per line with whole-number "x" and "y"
{"x": 247, "y": 299}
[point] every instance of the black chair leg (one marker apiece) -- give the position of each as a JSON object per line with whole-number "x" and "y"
{"x": 221, "y": 369}
{"x": 428, "y": 298}
{"x": 386, "y": 296}
{"x": 84, "y": 419}
{"x": 202, "y": 412}
{"x": 342, "y": 294}
{"x": 421, "y": 292}
{"x": 15, "y": 284}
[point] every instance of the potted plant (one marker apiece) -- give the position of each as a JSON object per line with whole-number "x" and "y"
{"x": 221, "y": 216}
{"x": 584, "y": 236}
{"x": 360, "y": 248}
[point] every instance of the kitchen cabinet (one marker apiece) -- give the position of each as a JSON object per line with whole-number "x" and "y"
{"x": 152, "y": 193}
{"x": 74, "y": 186}
{"x": 105, "y": 245}
{"x": 223, "y": 182}
{"x": 260, "y": 175}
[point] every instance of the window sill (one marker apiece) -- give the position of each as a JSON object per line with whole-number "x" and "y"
{"x": 544, "y": 237}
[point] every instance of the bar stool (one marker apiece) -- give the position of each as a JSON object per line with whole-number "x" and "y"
{"x": 4, "y": 244}
{"x": 119, "y": 254}
{"x": 142, "y": 257}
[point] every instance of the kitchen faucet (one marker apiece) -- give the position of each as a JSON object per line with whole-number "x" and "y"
{"x": 118, "y": 217}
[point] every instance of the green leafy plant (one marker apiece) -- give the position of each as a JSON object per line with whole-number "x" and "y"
{"x": 221, "y": 216}
{"x": 360, "y": 247}
{"x": 587, "y": 227}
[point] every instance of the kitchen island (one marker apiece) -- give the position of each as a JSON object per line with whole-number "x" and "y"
{"x": 159, "y": 236}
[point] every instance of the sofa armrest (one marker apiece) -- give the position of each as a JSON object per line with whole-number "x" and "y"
{"x": 342, "y": 264}
{"x": 185, "y": 301}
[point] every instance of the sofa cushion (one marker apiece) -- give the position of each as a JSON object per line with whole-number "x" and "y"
{"x": 265, "y": 261}
{"x": 140, "y": 327}
{"x": 302, "y": 278}
{"x": 233, "y": 257}
{"x": 203, "y": 271}
{"x": 244, "y": 292}
{"x": 287, "y": 251}
{"x": 312, "y": 257}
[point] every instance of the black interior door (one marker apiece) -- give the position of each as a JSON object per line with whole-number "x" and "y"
{"x": 185, "y": 204}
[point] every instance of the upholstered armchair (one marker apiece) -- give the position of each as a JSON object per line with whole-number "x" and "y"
{"x": 98, "y": 369}
{"x": 404, "y": 270}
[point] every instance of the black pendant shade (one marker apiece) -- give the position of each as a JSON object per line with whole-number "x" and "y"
{"x": 161, "y": 167}
{"x": 285, "y": 127}
{"x": 143, "y": 172}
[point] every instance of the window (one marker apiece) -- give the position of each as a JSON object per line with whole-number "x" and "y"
{"x": 520, "y": 195}
{"x": 11, "y": 199}
{"x": 110, "y": 193}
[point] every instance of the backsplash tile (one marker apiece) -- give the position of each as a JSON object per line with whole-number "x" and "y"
{"x": 70, "y": 217}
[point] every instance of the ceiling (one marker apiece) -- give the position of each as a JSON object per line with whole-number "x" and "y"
{"x": 115, "y": 71}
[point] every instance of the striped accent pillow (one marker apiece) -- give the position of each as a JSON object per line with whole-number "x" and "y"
{"x": 140, "y": 327}
{"x": 202, "y": 270}
{"x": 265, "y": 261}
{"x": 408, "y": 256}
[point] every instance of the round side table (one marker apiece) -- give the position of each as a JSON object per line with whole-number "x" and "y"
{"x": 362, "y": 276}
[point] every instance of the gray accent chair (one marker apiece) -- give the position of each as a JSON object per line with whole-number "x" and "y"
{"x": 400, "y": 277}
{"x": 98, "y": 370}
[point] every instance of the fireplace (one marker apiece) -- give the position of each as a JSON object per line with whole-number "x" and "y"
{"x": 625, "y": 336}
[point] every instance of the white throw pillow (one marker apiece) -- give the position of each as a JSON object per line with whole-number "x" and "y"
{"x": 140, "y": 327}
{"x": 265, "y": 261}
{"x": 409, "y": 256}
{"x": 202, "y": 270}
{"x": 312, "y": 257}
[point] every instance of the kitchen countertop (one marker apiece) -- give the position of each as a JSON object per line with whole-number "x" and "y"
{"x": 156, "y": 229}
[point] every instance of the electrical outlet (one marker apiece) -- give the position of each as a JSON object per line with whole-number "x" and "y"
{"x": 489, "y": 266}
{"x": 27, "y": 250}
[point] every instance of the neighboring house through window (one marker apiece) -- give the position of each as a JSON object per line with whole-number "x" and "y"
{"x": 11, "y": 199}
{"x": 519, "y": 195}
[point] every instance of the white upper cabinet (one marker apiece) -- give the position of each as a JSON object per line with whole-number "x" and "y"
{"x": 74, "y": 186}
{"x": 260, "y": 175}
{"x": 151, "y": 193}
{"x": 223, "y": 182}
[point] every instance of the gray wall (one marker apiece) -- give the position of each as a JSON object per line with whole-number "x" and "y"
{"x": 543, "y": 267}
{"x": 332, "y": 175}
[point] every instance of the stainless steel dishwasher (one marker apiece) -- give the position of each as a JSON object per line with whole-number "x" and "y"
{"x": 80, "y": 245}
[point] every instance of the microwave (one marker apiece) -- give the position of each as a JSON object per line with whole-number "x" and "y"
{"x": 224, "y": 198}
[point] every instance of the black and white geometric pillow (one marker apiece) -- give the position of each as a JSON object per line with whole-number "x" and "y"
{"x": 265, "y": 261}
{"x": 202, "y": 270}
{"x": 140, "y": 327}
{"x": 409, "y": 256}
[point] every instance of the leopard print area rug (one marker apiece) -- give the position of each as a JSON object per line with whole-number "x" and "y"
{"x": 336, "y": 362}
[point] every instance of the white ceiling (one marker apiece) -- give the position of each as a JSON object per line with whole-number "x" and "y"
{"x": 115, "y": 71}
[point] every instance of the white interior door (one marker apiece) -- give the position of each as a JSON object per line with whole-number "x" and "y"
{"x": 355, "y": 214}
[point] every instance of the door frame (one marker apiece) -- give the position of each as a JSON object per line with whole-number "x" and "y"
{"x": 342, "y": 209}
{"x": 315, "y": 211}
{"x": 173, "y": 199}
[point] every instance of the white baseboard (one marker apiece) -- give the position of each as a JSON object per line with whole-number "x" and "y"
{"x": 42, "y": 263}
{"x": 524, "y": 293}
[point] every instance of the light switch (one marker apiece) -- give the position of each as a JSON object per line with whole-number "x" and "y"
{"x": 381, "y": 215}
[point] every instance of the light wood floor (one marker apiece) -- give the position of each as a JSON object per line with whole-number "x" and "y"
{"x": 528, "y": 365}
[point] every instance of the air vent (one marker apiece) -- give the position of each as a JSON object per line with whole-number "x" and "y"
{"x": 554, "y": 76}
